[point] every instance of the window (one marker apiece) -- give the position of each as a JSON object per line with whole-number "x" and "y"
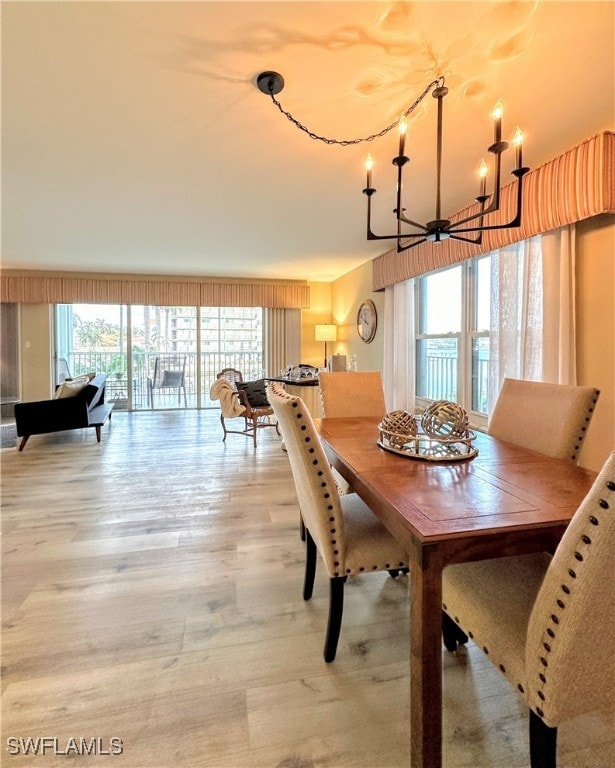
{"x": 452, "y": 340}
{"x": 124, "y": 342}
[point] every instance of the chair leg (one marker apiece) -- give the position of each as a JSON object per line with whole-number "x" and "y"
{"x": 223, "y": 427}
{"x": 336, "y": 608}
{"x": 310, "y": 565}
{"x": 301, "y": 527}
{"x": 24, "y": 440}
{"x": 543, "y": 743}
{"x": 452, "y": 634}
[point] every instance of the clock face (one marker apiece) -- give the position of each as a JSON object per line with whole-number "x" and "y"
{"x": 367, "y": 321}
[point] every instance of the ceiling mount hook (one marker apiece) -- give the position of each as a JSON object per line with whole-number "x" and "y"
{"x": 270, "y": 83}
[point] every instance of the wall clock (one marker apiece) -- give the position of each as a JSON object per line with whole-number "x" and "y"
{"x": 367, "y": 320}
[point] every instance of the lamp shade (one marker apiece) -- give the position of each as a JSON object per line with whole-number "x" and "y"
{"x": 325, "y": 333}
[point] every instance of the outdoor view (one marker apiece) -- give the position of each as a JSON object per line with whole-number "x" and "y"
{"x": 158, "y": 357}
{"x": 452, "y": 341}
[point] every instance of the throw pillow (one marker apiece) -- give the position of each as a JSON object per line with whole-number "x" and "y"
{"x": 71, "y": 387}
{"x": 256, "y": 392}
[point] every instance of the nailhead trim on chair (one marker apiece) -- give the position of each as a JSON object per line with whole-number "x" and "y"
{"x": 580, "y": 438}
{"x": 327, "y": 495}
{"x": 585, "y": 539}
{"x": 323, "y": 484}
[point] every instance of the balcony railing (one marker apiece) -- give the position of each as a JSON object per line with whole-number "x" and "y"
{"x": 437, "y": 380}
{"x": 121, "y": 384}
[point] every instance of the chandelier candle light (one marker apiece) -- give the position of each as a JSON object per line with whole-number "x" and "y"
{"x": 439, "y": 229}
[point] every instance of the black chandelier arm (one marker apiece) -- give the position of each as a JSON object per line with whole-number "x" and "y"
{"x": 478, "y": 215}
{"x": 494, "y": 204}
{"x": 401, "y": 248}
{"x": 406, "y": 247}
{"x": 400, "y": 162}
{"x": 268, "y": 85}
{"x": 475, "y": 240}
{"x": 401, "y": 217}
{"x": 368, "y": 192}
{"x": 509, "y": 225}
{"x": 372, "y": 236}
{"x": 514, "y": 222}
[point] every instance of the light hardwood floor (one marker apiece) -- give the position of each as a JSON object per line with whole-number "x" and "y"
{"x": 151, "y": 591}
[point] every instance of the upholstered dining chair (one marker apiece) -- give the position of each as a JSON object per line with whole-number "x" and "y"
{"x": 342, "y": 529}
{"x": 548, "y": 622}
{"x": 548, "y": 418}
{"x": 352, "y": 394}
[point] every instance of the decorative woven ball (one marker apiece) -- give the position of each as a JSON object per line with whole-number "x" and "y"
{"x": 444, "y": 419}
{"x": 398, "y": 427}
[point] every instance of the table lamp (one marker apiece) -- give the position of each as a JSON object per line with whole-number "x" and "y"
{"x": 325, "y": 333}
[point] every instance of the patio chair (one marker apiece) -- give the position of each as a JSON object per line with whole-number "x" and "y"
{"x": 63, "y": 371}
{"x": 169, "y": 374}
{"x": 244, "y": 399}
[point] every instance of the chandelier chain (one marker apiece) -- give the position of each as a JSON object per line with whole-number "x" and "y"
{"x": 347, "y": 142}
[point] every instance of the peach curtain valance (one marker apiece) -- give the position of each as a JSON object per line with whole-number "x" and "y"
{"x": 572, "y": 187}
{"x": 23, "y": 287}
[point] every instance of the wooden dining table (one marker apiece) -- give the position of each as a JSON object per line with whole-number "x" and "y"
{"x": 507, "y": 500}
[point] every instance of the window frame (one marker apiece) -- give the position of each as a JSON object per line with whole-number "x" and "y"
{"x": 465, "y": 336}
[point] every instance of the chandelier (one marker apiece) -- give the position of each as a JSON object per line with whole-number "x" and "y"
{"x": 410, "y": 233}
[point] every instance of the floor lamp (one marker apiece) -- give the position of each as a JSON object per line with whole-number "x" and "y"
{"x": 325, "y": 333}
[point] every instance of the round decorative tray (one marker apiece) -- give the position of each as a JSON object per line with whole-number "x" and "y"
{"x": 440, "y": 434}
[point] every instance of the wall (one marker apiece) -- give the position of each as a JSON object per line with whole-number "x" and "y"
{"x": 595, "y": 285}
{"x": 347, "y": 293}
{"x": 319, "y": 311}
{"x": 35, "y": 351}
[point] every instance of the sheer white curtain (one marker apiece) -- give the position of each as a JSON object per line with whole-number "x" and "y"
{"x": 532, "y": 311}
{"x": 399, "y": 344}
{"x": 282, "y": 342}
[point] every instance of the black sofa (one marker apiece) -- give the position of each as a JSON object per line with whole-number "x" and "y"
{"x": 86, "y": 409}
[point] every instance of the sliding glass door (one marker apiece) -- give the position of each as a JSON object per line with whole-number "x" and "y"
{"x": 230, "y": 337}
{"x": 158, "y": 357}
{"x": 93, "y": 338}
{"x": 164, "y": 357}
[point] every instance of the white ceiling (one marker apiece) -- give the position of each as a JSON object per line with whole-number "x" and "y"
{"x": 134, "y": 139}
